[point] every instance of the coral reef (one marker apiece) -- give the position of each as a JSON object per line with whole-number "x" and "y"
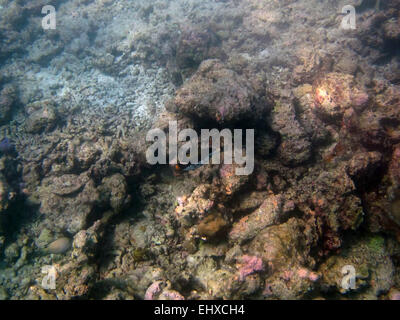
{"x": 217, "y": 93}
{"x": 79, "y": 199}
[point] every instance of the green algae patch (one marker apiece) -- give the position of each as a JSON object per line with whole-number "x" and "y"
{"x": 376, "y": 244}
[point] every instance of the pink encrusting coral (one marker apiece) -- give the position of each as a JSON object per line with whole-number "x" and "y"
{"x": 304, "y": 273}
{"x": 313, "y": 276}
{"x": 249, "y": 265}
{"x": 153, "y": 290}
{"x": 171, "y": 295}
{"x": 395, "y": 295}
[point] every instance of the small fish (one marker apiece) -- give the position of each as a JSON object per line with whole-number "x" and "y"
{"x": 201, "y": 163}
{"x": 193, "y": 167}
{"x": 58, "y": 246}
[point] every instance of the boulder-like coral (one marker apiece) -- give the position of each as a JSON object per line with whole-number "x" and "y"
{"x": 193, "y": 46}
{"x": 335, "y": 205}
{"x": 86, "y": 154}
{"x": 115, "y": 188}
{"x": 295, "y": 146}
{"x": 379, "y": 124}
{"x": 42, "y": 117}
{"x": 217, "y": 93}
{"x": 68, "y": 201}
{"x": 284, "y": 246}
{"x": 269, "y": 213}
{"x": 231, "y": 182}
{"x": 197, "y": 206}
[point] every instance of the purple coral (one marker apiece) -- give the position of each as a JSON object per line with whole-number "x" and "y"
{"x": 249, "y": 265}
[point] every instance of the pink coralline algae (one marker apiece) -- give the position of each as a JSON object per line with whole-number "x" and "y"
{"x": 304, "y": 273}
{"x": 171, "y": 295}
{"x": 301, "y": 273}
{"x": 267, "y": 290}
{"x": 159, "y": 290}
{"x": 249, "y": 265}
{"x": 395, "y": 295}
{"x": 153, "y": 290}
{"x": 287, "y": 275}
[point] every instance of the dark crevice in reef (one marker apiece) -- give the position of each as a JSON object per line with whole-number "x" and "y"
{"x": 371, "y": 180}
{"x": 16, "y": 218}
{"x": 391, "y": 47}
{"x": 247, "y": 122}
{"x": 131, "y": 212}
{"x": 390, "y": 50}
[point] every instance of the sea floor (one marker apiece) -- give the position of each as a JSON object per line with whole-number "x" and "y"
{"x": 84, "y": 215}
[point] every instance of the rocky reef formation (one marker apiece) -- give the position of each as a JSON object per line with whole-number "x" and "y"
{"x": 78, "y": 197}
{"x": 217, "y": 93}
